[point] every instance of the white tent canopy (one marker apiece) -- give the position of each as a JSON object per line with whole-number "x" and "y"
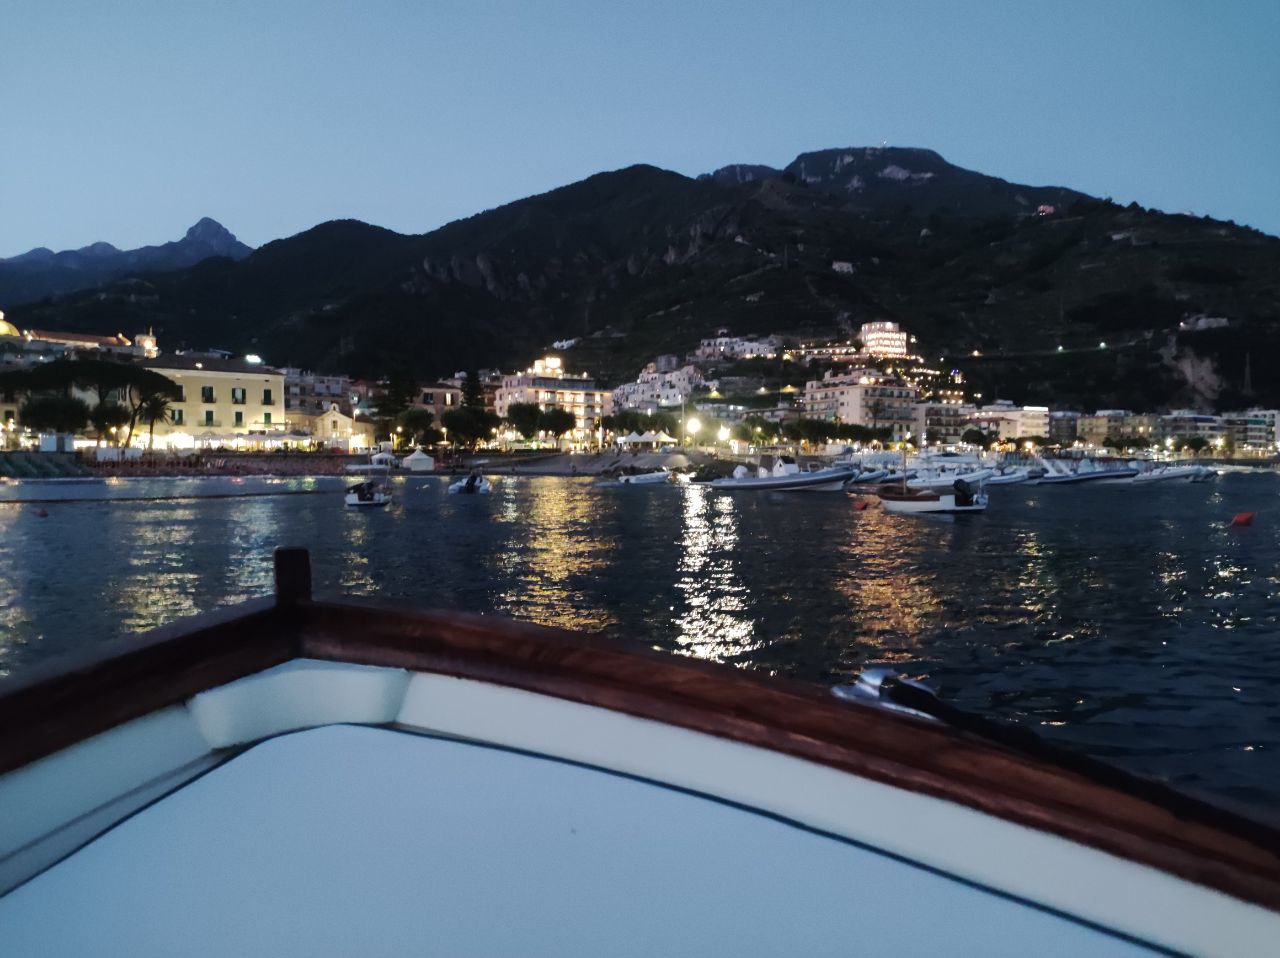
{"x": 630, "y": 438}
{"x": 418, "y": 461}
{"x": 649, "y": 436}
{"x": 662, "y": 437}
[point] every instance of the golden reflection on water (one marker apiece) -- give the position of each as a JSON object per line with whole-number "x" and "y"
{"x": 553, "y": 550}
{"x": 716, "y": 621}
{"x": 159, "y": 584}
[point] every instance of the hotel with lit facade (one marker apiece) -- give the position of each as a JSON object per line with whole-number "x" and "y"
{"x": 863, "y": 397}
{"x": 223, "y": 402}
{"x": 547, "y": 385}
{"x": 883, "y": 340}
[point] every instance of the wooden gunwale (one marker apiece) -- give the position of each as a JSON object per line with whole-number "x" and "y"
{"x": 55, "y": 706}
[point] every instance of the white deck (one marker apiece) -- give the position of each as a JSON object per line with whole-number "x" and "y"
{"x": 357, "y": 841}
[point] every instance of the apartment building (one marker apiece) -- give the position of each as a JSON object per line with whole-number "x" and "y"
{"x": 307, "y": 392}
{"x": 547, "y": 385}
{"x": 863, "y": 397}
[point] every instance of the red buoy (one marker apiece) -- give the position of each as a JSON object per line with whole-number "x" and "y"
{"x": 859, "y": 504}
{"x": 1242, "y": 519}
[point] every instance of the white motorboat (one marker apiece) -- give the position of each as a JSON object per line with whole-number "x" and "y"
{"x": 474, "y": 484}
{"x": 921, "y": 501}
{"x": 786, "y": 475}
{"x": 643, "y": 478}
{"x": 1008, "y": 478}
{"x": 287, "y": 777}
{"x": 1060, "y": 473}
{"x": 942, "y": 480}
{"x": 1188, "y": 473}
{"x": 368, "y": 495}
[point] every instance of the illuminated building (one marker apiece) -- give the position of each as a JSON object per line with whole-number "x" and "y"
{"x": 863, "y": 397}
{"x": 222, "y": 402}
{"x": 883, "y": 340}
{"x": 547, "y": 385}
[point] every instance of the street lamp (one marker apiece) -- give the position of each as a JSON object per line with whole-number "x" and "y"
{"x": 723, "y": 434}
{"x": 691, "y": 426}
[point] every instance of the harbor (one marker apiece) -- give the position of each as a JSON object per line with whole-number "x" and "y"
{"x": 1133, "y": 622}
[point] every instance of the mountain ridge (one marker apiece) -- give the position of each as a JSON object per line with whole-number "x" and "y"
{"x": 640, "y": 261}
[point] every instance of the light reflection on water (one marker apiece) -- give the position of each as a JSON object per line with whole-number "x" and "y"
{"x": 1137, "y": 626}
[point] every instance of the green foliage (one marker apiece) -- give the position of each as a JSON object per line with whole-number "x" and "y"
{"x": 469, "y": 425}
{"x": 1196, "y": 444}
{"x": 524, "y": 418}
{"x": 472, "y": 390}
{"x": 557, "y": 421}
{"x": 54, "y": 414}
{"x": 402, "y": 389}
{"x": 630, "y": 420}
{"x": 152, "y": 409}
{"x": 976, "y": 437}
{"x": 107, "y": 415}
{"x": 415, "y": 422}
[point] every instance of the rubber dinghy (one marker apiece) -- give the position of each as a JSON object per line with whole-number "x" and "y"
{"x": 473, "y": 484}
{"x": 288, "y": 776}
{"x": 786, "y": 475}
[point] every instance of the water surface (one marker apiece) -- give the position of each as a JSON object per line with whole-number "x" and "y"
{"x": 1131, "y": 622}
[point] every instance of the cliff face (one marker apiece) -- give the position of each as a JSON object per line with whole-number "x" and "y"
{"x": 643, "y": 261}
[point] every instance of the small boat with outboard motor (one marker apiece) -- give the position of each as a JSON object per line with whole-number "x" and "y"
{"x": 943, "y": 480}
{"x": 786, "y": 476}
{"x": 962, "y": 497}
{"x": 1008, "y": 477}
{"x": 474, "y": 484}
{"x": 315, "y": 776}
{"x": 370, "y": 494}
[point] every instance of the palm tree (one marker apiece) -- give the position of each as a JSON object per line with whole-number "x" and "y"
{"x": 154, "y": 408}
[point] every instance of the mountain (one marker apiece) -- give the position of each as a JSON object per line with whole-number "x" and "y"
{"x": 41, "y": 272}
{"x": 642, "y": 261}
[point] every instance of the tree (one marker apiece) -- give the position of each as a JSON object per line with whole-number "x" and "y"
{"x": 557, "y": 421}
{"x": 1197, "y": 444}
{"x": 155, "y": 408}
{"x": 399, "y": 395}
{"x": 469, "y": 424}
{"x": 472, "y": 390}
{"x": 524, "y": 418}
{"x": 976, "y": 437}
{"x": 108, "y": 417}
{"x": 54, "y": 414}
{"x": 416, "y": 422}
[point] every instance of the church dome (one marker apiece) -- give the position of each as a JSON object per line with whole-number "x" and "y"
{"x": 8, "y": 329}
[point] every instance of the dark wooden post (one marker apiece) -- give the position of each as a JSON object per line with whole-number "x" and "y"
{"x": 293, "y": 576}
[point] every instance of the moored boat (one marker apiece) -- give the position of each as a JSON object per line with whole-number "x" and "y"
{"x": 1059, "y": 473}
{"x": 642, "y": 478}
{"x": 289, "y": 775}
{"x": 961, "y": 498}
{"x": 474, "y": 484}
{"x": 786, "y": 475}
{"x": 1186, "y": 473}
{"x": 370, "y": 494}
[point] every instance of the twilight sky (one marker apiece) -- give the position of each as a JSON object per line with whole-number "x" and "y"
{"x": 127, "y": 122}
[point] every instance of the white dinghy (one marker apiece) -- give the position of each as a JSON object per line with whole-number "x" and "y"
{"x": 642, "y": 478}
{"x": 302, "y": 777}
{"x": 474, "y": 484}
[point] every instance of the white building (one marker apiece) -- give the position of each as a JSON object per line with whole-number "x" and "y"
{"x": 1007, "y": 421}
{"x": 1253, "y": 428}
{"x": 863, "y": 397}
{"x": 547, "y": 385}
{"x": 1186, "y": 423}
{"x": 654, "y": 390}
{"x": 883, "y": 340}
{"x": 307, "y": 392}
{"x": 737, "y": 347}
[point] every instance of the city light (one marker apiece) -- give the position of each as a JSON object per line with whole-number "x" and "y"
{"x": 253, "y": 359}
{"x": 723, "y": 434}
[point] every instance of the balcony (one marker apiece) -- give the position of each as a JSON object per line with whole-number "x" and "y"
{"x": 268, "y": 402}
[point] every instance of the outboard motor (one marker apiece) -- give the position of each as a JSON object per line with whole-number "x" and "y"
{"x": 964, "y": 492}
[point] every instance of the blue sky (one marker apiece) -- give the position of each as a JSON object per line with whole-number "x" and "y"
{"x": 128, "y": 122}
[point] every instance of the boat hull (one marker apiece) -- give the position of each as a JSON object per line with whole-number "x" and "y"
{"x": 824, "y": 480}
{"x": 918, "y": 505}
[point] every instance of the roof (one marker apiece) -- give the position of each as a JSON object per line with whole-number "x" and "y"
{"x": 89, "y": 338}
{"x": 208, "y": 365}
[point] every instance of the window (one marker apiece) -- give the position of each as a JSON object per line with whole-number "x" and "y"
{"x": 239, "y": 418}
{"x": 266, "y": 418}
{"x": 208, "y": 417}
{"x": 428, "y": 399}
{"x": 8, "y": 415}
{"x": 177, "y": 417}
{"x": 266, "y": 398}
{"x": 206, "y": 394}
{"x": 237, "y": 395}
{"x": 182, "y": 393}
